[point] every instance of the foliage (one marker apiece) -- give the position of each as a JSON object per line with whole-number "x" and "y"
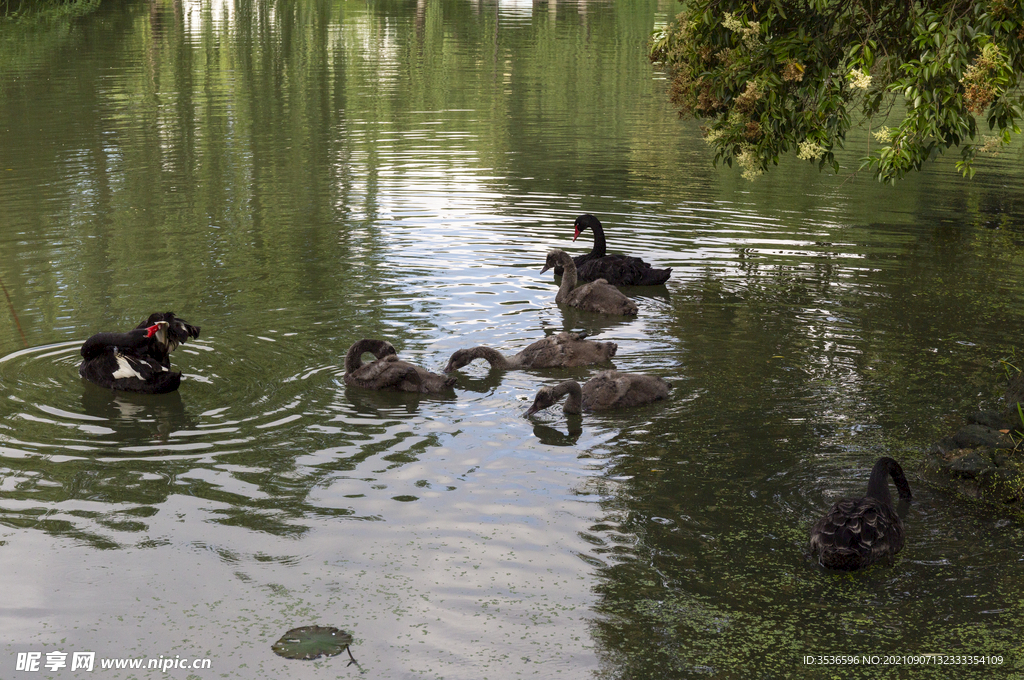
{"x": 33, "y": 11}
{"x": 783, "y": 75}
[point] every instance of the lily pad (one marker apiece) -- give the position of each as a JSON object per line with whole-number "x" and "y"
{"x": 312, "y": 642}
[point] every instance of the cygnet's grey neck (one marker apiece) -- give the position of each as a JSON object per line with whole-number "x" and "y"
{"x": 354, "y": 357}
{"x": 495, "y": 358}
{"x": 568, "y": 277}
{"x": 574, "y": 404}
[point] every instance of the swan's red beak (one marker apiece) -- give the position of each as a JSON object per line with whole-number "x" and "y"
{"x": 576, "y": 235}
{"x": 152, "y": 330}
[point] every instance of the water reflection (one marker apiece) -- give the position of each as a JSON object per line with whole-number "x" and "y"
{"x": 480, "y": 380}
{"x": 555, "y": 437}
{"x": 137, "y": 418}
{"x": 382, "y": 403}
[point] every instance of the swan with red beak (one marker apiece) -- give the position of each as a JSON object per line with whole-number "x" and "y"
{"x": 139, "y": 360}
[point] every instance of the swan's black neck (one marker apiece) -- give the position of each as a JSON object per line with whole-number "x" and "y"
{"x": 878, "y": 484}
{"x": 136, "y": 340}
{"x": 590, "y": 222}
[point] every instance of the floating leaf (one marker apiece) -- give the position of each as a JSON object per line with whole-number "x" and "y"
{"x": 311, "y": 642}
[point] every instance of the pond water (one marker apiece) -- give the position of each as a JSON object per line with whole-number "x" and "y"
{"x": 292, "y": 177}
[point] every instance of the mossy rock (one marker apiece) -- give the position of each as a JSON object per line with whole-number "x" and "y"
{"x": 980, "y": 461}
{"x": 975, "y": 435}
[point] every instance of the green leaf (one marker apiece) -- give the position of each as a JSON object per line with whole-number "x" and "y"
{"x": 311, "y": 642}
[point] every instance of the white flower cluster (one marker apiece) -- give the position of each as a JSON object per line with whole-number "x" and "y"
{"x": 732, "y": 23}
{"x": 748, "y": 161}
{"x": 991, "y": 145}
{"x": 712, "y": 135}
{"x": 810, "y": 150}
{"x": 859, "y": 80}
{"x": 882, "y": 134}
{"x": 749, "y": 32}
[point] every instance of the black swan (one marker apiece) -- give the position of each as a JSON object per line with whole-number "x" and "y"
{"x": 566, "y": 350}
{"x": 597, "y": 296}
{"x": 139, "y": 360}
{"x": 388, "y": 372}
{"x": 606, "y": 390}
{"x": 857, "y": 532}
{"x": 618, "y": 270}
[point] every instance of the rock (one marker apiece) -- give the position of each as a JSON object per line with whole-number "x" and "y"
{"x": 1002, "y": 484}
{"x": 993, "y": 419}
{"x": 975, "y": 435}
{"x": 982, "y": 460}
{"x": 944, "y": 448}
{"x": 969, "y": 465}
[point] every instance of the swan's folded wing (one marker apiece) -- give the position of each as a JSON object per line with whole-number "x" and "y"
{"x": 401, "y": 375}
{"x": 374, "y": 369}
